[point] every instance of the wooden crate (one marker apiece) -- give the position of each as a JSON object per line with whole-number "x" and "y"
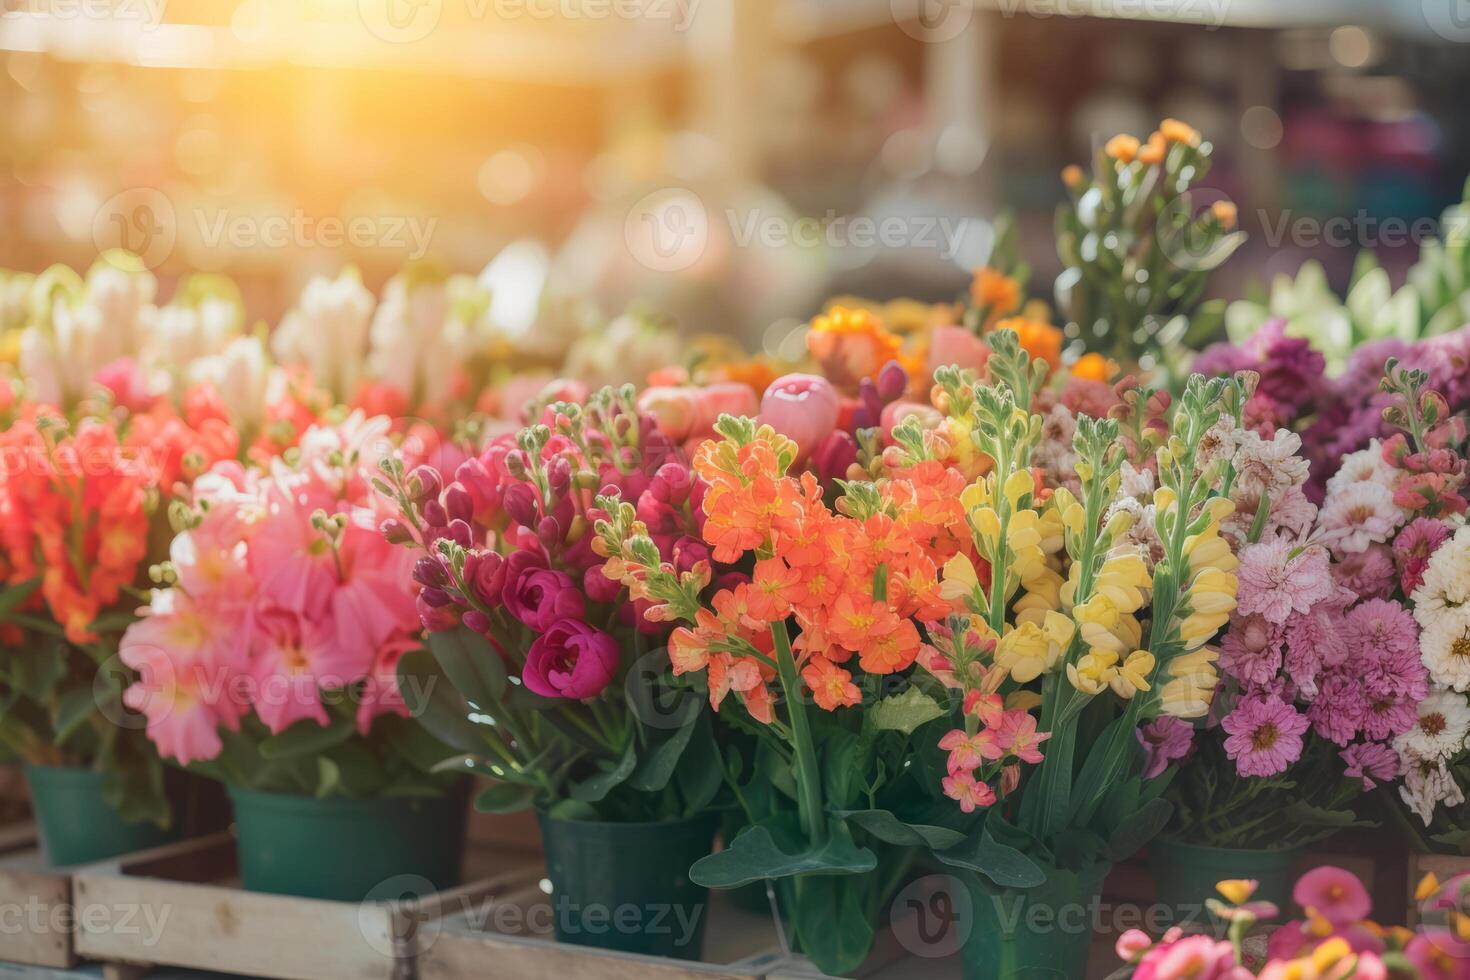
{"x": 190, "y": 911}
{"x": 1442, "y": 866}
{"x": 36, "y": 902}
{"x": 506, "y": 933}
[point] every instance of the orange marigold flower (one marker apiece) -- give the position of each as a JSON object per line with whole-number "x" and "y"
{"x": 1039, "y": 339}
{"x": 1225, "y": 212}
{"x": 1072, "y": 176}
{"x": 1093, "y": 367}
{"x": 832, "y": 687}
{"x": 995, "y": 290}
{"x": 1122, "y": 148}
{"x": 851, "y": 344}
{"x": 1179, "y": 132}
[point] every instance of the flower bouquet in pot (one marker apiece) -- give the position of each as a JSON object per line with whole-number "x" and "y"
{"x": 1075, "y": 622}
{"x": 83, "y": 495}
{"x": 544, "y": 675}
{"x": 1320, "y": 672}
{"x": 267, "y": 659}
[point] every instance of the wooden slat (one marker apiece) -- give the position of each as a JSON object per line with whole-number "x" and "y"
{"x": 1442, "y": 866}
{"x": 40, "y": 896}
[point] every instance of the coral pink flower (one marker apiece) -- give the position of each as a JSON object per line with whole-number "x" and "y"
{"x": 958, "y": 346}
{"x": 292, "y": 658}
{"x": 966, "y": 752}
{"x": 971, "y": 793}
{"x": 1413, "y": 547}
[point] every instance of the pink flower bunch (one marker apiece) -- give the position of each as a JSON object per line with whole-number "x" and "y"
{"x": 505, "y": 546}
{"x": 1306, "y": 651}
{"x": 282, "y": 599}
{"x": 1334, "y": 941}
{"x": 1004, "y": 735}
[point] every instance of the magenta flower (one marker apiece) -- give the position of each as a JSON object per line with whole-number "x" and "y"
{"x": 1339, "y": 709}
{"x": 1334, "y": 894}
{"x": 1412, "y": 548}
{"x": 1251, "y": 650}
{"x": 1265, "y": 735}
{"x": 1166, "y": 739}
{"x": 540, "y": 596}
{"x": 571, "y": 660}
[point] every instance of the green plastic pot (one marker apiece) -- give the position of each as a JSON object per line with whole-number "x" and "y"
{"x": 1185, "y": 876}
{"x": 346, "y": 849}
{"x": 626, "y": 886}
{"x": 77, "y": 825}
{"x": 1041, "y": 933}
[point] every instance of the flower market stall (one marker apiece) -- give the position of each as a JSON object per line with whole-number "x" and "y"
{"x": 1117, "y": 625}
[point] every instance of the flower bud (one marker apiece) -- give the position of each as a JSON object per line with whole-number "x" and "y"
{"x": 460, "y": 534}
{"x": 458, "y": 503}
{"x": 476, "y": 621}
{"x": 520, "y": 504}
{"x": 559, "y": 474}
{"x": 424, "y": 484}
{"x": 549, "y": 532}
{"x": 430, "y": 573}
{"x": 434, "y": 513}
{"x": 672, "y": 483}
{"x": 395, "y": 531}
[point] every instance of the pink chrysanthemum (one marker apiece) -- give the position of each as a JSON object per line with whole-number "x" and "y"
{"x": 1339, "y": 709}
{"x": 1251, "y": 650}
{"x": 1368, "y": 574}
{"x": 1265, "y": 736}
{"x": 1372, "y": 762}
{"x": 1412, "y": 548}
{"x": 1380, "y": 627}
{"x": 1275, "y": 583}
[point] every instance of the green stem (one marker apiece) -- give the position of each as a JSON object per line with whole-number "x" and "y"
{"x": 808, "y": 777}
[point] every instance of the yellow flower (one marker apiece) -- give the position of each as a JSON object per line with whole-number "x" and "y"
{"x": 1208, "y": 550}
{"x": 960, "y": 583}
{"x": 1428, "y": 886}
{"x": 1237, "y": 891}
{"x": 1043, "y": 592}
{"x": 987, "y": 529}
{"x": 1213, "y": 591}
{"x": 1123, "y": 579}
{"x": 1327, "y": 955}
{"x": 1024, "y": 651}
{"x": 1018, "y": 485}
{"x": 1182, "y": 698}
{"x": 1179, "y": 132}
{"x": 1072, "y": 514}
{"x": 1094, "y": 671}
{"x": 1133, "y": 674}
{"x": 1164, "y": 498}
{"x": 1051, "y": 528}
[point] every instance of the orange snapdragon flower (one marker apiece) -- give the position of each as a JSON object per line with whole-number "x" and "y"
{"x": 832, "y": 687}
{"x": 1094, "y": 367}
{"x": 996, "y": 291}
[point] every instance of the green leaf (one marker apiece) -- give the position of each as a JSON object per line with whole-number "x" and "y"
{"x": 657, "y": 766}
{"x": 505, "y": 798}
{"x": 904, "y": 712}
{"x": 754, "y": 855}
{"x": 834, "y": 930}
{"x": 306, "y": 737}
{"x": 1001, "y": 863}
{"x": 434, "y": 703}
{"x": 73, "y": 710}
{"x": 1138, "y": 830}
{"x": 471, "y": 664}
{"x": 571, "y": 810}
{"x": 887, "y": 827}
{"x": 13, "y": 595}
{"x": 595, "y": 788}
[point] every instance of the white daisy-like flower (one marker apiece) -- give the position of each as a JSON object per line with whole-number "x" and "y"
{"x": 1444, "y": 646}
{"x": 1135, "y": 483}
{"x": 1363, "y": 466}
{"x": 1359, "y": 515}
{"x": 1444, "y": 721}
{"x": 1265, "y": 466}
{"x": 1446, "y": 584}
{"x": 1427, "y": 783}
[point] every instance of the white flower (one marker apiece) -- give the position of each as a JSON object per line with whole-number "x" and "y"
{"x": 327, "y": 333}
{"x": 242, "y": 376}
{"x": 1427, "y": 783}
{"x": 1446, "y": 585}
{"x": 1444, "y": 721}
{"x": 177, "y": 335}
{"x": 1138, "y": 484}
{"x": 1358, "y": 515}
{"x": 1444, "y": 646}
{"x": 82, "y": 329}
{"x": 1267, "y": 465}
{"x": 1054, "y": 453}
{"x": 414, "y": 343}
{"x": 1363, "y": 466}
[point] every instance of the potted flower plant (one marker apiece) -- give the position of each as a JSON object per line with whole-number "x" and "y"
{"x": 546, "y": 676}
{"x": 267, "y": 660}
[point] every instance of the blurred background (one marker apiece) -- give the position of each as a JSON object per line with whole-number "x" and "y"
{"x": 731, "y": 162}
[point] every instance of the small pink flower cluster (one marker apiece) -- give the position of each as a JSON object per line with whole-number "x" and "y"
{"x": 1003, "y": 734}
{"x": 1335, "y": 940}
{"x": 282, "y": 590}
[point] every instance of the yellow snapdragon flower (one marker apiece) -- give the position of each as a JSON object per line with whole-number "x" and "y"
{"x": 1094, "y": 671}
{"x": 1133, "y": 674}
